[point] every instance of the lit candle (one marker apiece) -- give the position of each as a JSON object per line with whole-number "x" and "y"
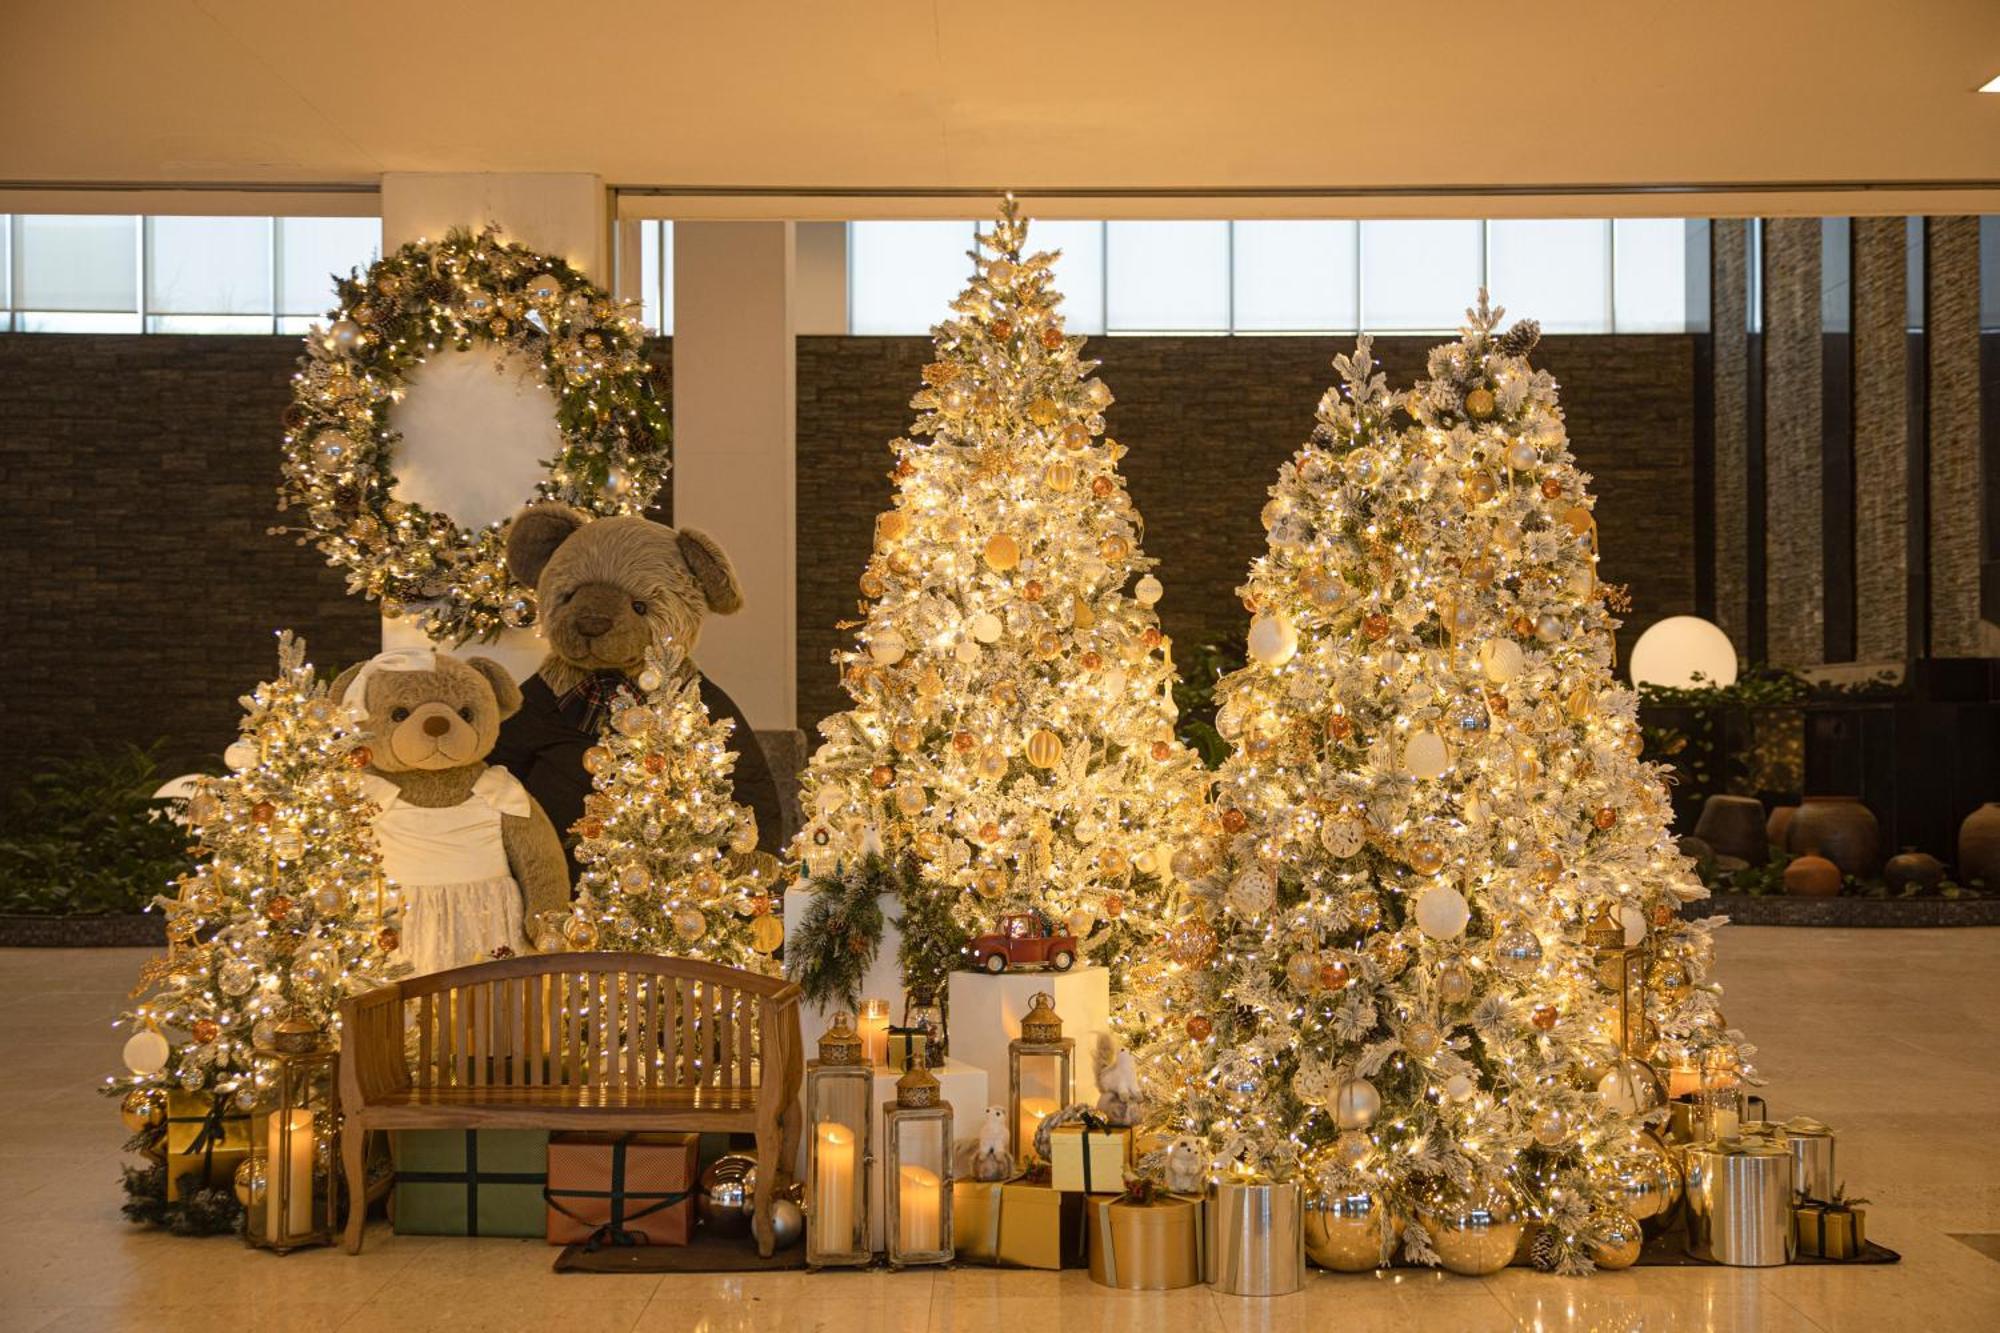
{"x": 833, "y": 1187}
{"x": 917, "y": 1210}
{"x": 875, "y": 1032}
{"x": 1034, "y": 1110}
{"x": 288, "y": 1181}
{"x": 1683, "y": 1080}
{"x": 1725, "y": 1121}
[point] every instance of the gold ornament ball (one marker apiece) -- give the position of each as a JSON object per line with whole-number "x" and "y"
{"x": 767, "y": 933}
{"x": 990, "y": 883}
{"x": 249, "y": 1181}
{"x": 1353, "y": 1148}
{"x": 882, "y": 775}
{"x": 1002, "y": 552}
{"x": 1621, "y": 1240}
{"x": 634, "y": 880}
{"x": 633, "y": 720}
{"x": 1454, "y": 983}
{"x": 1114, "y": 547}
{"x": 1343, "y": 1233}
{"x": 1045, "y": 749}
{"x": 1059, "y": 476}
{"x": 690, "y": 924}
{"x": 205, "y": 1030}
{"x": 141, "y": 1109}
{"x": 1334, "y": 975}
{"x": 992, "y": 765}
{"x": 1422, "y": 1040}
{"x": 1302, "y": 970}
{"x": 1190, "y": 942}
{"x": 1479, "y": 403}
{"x": 1543, "y": 1016}
{"x": 1605, "y": 818}
{"x": 1475, "y": 1231}
{"x": 1426, "y": 858}
{"x": 910, "y": 798}
{"x": 581, "y": 933}
{"x": 706, "y": 883}
{"x": 596, "y": 759}
{"x": 1199, "y": 1028}
{"x": 1646, "y": 1180}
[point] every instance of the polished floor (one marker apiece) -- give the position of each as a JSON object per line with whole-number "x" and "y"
{"x": 1893, "y": 1037}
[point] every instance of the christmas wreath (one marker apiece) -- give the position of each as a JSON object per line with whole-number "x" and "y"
{"x": 339, "y": 443}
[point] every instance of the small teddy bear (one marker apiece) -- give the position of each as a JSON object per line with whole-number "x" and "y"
{"x": 608, "y": 590}
{"x": 1185, "y": 1170}
{"x": 993, "y": 1157}
{"x": 471, "y": 854}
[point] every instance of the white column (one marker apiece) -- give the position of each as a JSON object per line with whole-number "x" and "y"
{"x": 563, "y": 214}
{"x": 734, "y": 448}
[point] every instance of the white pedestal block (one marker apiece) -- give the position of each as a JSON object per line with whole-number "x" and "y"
{"x": 962, "y": 1085}
{"x": 986, "y": 1013}
{"x": 883, "y": 980}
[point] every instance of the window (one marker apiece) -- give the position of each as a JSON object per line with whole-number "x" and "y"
{"x": 1166, "y": 277}
{"x": 902, "y": 276}
{"x": 1295, "y": 277}
{"x": 1649, "y": 272}
{"x": 1079, "y": 270}
{"x": 107, "y": 273}
{"x": 1556, "y": 271}
{"x": 1419, "y": 276}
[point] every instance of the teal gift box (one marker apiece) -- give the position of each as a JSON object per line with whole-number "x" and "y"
{"x": 470, "y": 1182}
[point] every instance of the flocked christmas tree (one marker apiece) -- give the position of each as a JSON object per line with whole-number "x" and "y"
{"x": 1440, "y": 851}
{"x": 1012, "y": 734}
{"x": 670, "y": 861}
{"x": 283, "y": 914}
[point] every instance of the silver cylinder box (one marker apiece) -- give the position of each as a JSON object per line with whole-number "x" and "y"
{"x": 1739, "y": 1203}
{"x": 1256, "y": 1239}
{"x": 1812, "y": 1158}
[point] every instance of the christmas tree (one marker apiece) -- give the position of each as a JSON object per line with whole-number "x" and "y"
{"x": 670, "y": 861}
{"x": 282, "y": 915}
{"x": 1012, "y": 734}
{"x": 1441, "y": 856}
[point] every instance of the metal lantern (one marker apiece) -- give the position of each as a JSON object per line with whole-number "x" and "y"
{"x": 839, "y": 1088}
{"x": 290, "y": 1182}
{"x": 916, "y": 1175}
{"x": 1041, "y": 1039}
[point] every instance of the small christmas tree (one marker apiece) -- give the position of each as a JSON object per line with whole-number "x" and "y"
{"x": 670, "y": 861}
{"x": 282, "y": 915}
{"x": 1440, "y": 851}
{"x": 1012, "y": 734}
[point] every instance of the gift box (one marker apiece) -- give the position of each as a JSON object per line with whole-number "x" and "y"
{"x": 908, "y": 1047}
{"x": 470, "y": 1182}
{"x": 1144, "y": 1242}
{"x": 1015, "y": 1224}
{"x": 204, "y": 1137}
{"x": 1739, "y": 1203}
{"x": 1089, "y": 1158}
{"x": 1837, "y": 1230}
{"x": 622, "y": 1189}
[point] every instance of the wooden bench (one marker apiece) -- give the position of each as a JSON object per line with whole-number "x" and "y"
{"x": 576, "y": 1041}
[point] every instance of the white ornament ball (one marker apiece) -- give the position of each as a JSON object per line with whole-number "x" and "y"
{"x": 146, "y": 1052}
{"x": 1343, "y": 837}
{"x": 1425, "y": 756}
{"x": 1459, "y": 1087}
{"x": 650, "y": 679}
{"x": 346, "y": 334}
{"x": 1252, "y": 894}
{"x": 1357, "y": 1104}
{"x": 887, "y": 647}
{"x": 1273, "y": 640}
{"x": 240, "y": 755}
{"x": 986, "y": 627}
{"x": 1442, "y": 912}
{"x": 1634, "y": 922}
{"x": 1501, "y": 660}
{"x": 1148, "y": 591}
{"x": 966, "y": 651}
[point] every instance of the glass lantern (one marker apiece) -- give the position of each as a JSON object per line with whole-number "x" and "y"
{"x": 916, "y": 1174}
{"x": 839, "y": 1089}
{"x": 1042, "y": 1042}
{"x": 923, "y": 1016}
{"x": 293, "y": 1194}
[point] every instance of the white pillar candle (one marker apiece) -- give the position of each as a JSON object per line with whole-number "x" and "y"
{"x": 833, "y": 1187}
{"x": 875, "y": 1032}
{"x": 917, "y": 1210}
{"x": 1683, "y": 1080}
{"x": 288, "y": 1178}
{"x": 1034, "y": 1110}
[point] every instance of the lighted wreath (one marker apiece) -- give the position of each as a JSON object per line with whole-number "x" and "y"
{"x": 340, "y": 446}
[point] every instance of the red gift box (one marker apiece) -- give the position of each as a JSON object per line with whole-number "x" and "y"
{"x": 621, "y": 1189}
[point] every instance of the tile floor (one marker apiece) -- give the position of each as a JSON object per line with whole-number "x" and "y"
{"x": 1893, "y": 1037}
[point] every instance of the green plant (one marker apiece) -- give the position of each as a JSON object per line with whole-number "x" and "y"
{"x": 933, "y": 941}
{"x": 1194, "y": 695}
{"x": 1725, "y": 738}
{"x": 840, "y": 933}
{"x": 85, "y": 837}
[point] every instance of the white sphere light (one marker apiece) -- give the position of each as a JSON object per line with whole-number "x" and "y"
{"x": 1273, "y": 640}
{"x": 1442, "y": 912}
{"x": 146, "y": 1052}
{"x": 1674, "y": 651}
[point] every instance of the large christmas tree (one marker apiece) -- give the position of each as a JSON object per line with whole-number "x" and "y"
{"x": 1441, "y": 849}
{"x": 1012, "y": 734}
{"x": 285, "y": 912}
{"x": 670, "y": 861}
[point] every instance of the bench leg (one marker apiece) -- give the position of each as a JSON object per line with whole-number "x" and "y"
{"x": 354, "y": 1154}
{"x": 768, "y": 1165}
{"x": 788, "y": 1150}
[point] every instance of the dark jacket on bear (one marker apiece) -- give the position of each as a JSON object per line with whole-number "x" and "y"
{"x": 543, "y": 746}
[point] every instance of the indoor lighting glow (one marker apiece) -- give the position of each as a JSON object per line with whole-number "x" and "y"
{"x": 1992, "y": 85}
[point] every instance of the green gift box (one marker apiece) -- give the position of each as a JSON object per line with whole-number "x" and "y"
{"x": 470, "y": 1182}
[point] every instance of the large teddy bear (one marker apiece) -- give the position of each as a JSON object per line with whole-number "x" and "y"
{"x": 473, "y": 857}
{"x": 609, "y": 589}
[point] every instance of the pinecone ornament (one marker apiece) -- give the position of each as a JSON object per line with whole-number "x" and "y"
{"x": 1520, "y": 339}
{"x": 1542, "y": 1251}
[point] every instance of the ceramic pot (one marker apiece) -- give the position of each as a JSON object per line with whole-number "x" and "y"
{"x": 1810, "y": 876}
{"x": 1733, "y": 826}
{"x": 1780, "y": 820}
{"x": 1842, "y": 830}
{"x": 1979, "y": 846}
{"x": 1696, "y": 851}
{"x": 1912, "y": 867}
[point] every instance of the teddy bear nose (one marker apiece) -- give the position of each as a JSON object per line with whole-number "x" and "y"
{"x": 437, "y": 724}
{"x": 592, "y": 626}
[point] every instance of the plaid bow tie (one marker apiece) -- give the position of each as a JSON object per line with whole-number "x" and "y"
{"x": 585, "y": 705}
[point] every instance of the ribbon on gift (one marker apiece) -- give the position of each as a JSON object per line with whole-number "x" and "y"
{"x": 614, "y": 1232}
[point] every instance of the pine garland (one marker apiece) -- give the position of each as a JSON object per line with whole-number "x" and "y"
{"x": 201, "y": 1210}
{"x": 840, "y": 933}
{"x": 933, "y": 938}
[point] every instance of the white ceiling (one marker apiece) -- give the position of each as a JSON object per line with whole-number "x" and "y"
{"x": 1423, "y": 100}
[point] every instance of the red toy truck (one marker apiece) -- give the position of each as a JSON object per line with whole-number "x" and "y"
{"x": 1024, "y": 940}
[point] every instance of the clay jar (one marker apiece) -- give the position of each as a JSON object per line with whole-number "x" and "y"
{"x": 1780, "y": 820}
{"x": 1913, "y": 868}
{"x": 1842, "y": 830}
{"x": 1733, "y": 826}
{"x": 1979, "y": 846}
{"x": 1812, "y": 876}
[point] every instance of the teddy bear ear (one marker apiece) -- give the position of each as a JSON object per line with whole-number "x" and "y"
{"x": 534, "y": 535}
{"x": 338, "y": 690}
{"x": 711, "y": 569}
{"x": 505, "y": 692}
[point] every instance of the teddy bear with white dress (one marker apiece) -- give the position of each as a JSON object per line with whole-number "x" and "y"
{"x": 473, "y": 858}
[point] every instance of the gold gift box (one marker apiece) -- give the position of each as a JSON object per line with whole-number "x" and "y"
{"x": 188, "y": 1116}
{"x": 1015, "y": 1224}
{"x": 1089, "y": 1161}
{"x": 1150, "y": 1246}
{"x": 906, "y": 1049}
{"x": 1830, "y": 1231}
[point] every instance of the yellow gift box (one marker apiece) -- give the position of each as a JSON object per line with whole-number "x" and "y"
{"x": 1084, "y": 1160}
{"x": 1145, "y": 1245}
{"x": 1015, "y": 1224}
{"x": 1831, "y": 1230}
{"x": 906, "y": 1048}
{"x": 200, "y": 1139}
